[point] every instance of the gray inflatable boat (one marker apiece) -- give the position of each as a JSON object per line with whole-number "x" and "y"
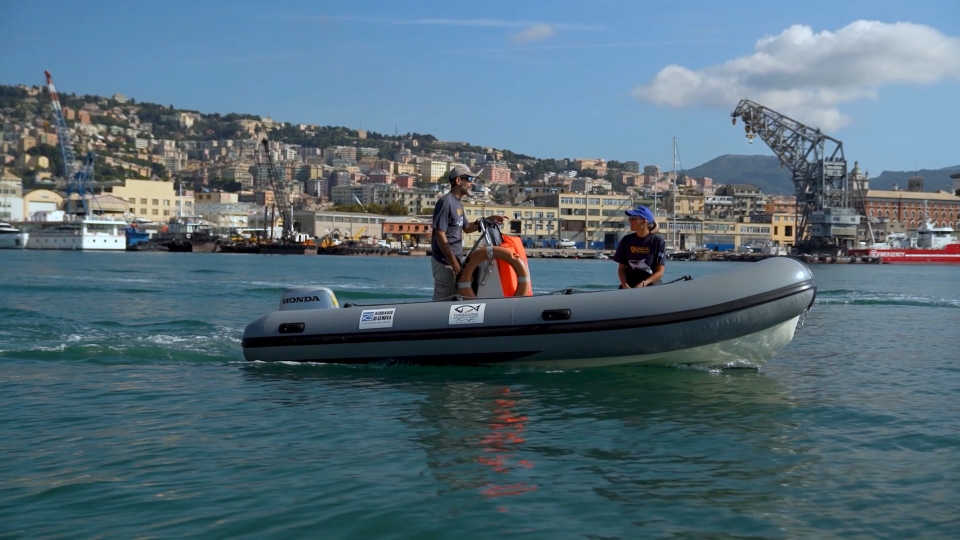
{"x": 740, "y": 317}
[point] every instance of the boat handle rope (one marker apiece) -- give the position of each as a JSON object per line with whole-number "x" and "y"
{"x": 457, "y": 297}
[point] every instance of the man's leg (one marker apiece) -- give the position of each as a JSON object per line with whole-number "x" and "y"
{"x": 444, "y": 280}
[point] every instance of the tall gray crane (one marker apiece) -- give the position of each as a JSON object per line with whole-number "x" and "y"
{"x": 281, "y": 194}
{"x": 825, "y": 218}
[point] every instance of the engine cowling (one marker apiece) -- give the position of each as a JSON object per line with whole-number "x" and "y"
{"x": 297, "y": 298}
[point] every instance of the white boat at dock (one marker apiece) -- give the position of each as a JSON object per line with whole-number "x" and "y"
{"x": 78, "y": 233}
{"x": 12, "y": 237}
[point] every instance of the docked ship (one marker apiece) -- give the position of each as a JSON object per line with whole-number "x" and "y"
{"x": 187, "y": 234}
{"x": 12, "y": 237}
{"x": 79, "y": 233}
{"x": 931, "y": 245}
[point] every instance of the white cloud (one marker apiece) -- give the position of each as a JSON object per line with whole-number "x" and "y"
{"x": 536, "y": 32}
{"x": 808, "y": 75}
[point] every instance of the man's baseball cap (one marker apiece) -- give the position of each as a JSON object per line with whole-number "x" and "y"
{"x": 460, "y": 170}
{"x": 643, "y": 212}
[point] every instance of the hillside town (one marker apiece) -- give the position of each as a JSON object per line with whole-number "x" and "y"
{"x": 157, "y": 164}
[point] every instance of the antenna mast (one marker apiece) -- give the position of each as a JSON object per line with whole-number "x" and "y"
{"x": 673, "y": 224}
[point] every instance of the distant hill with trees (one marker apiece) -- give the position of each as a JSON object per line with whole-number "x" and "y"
{"x": 765, "y": 173}
{"x": 933, "y": 179}
{"x": 761, "y": 171}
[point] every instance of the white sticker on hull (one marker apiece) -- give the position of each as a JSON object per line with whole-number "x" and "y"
{"x": 467, "y": 313}
{"x": 376, "y": 318}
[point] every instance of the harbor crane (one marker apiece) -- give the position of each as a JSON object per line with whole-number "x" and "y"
{"x": 825, "y": 219}
{"x": 79, "y": 179}
{"x": 281, "y": 195}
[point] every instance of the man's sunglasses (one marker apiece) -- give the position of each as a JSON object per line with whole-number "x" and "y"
{"x": 470, "y": 179}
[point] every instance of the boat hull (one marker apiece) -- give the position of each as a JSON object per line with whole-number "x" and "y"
{"x": 13, "y": 240}
{"x": 741, "y": 317}
{"x": 948, "y": 255}
{"x": 287, "y": 249}
{"x": 79, "y": 242}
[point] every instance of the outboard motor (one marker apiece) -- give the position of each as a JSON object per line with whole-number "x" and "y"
{"x": 296, "y": 298}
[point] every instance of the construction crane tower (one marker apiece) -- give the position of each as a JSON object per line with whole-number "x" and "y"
{"x": 281, "y": 194}
{"x": 79, "y": 179}
{"x": 826, "y": 220}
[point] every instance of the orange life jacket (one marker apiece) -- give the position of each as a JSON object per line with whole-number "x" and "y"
{"x": 508, "y": 277}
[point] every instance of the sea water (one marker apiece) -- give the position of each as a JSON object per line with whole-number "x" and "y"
{"x": 128, "y": 411}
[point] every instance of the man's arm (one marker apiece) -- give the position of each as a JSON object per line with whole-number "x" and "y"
{"x": 474, "y": 226}
{"x": 622, "y": 274}
{"x": 441, "y": 238}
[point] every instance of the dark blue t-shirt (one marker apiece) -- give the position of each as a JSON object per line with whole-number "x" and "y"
{"x": 642, "y": 256}
{"x": 448, "y": 217}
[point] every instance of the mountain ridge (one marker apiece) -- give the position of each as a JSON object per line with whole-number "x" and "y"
{"x": 765, "y": 173}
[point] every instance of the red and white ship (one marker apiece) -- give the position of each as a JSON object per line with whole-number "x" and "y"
{"x": 931, "y": 245}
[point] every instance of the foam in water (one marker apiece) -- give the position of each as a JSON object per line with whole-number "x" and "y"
{"x": 873, "y": 298}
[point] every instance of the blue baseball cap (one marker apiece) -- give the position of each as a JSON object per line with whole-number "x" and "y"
{"x": 641, "y": 211}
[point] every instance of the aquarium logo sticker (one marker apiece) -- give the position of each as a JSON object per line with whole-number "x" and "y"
{"x": 467, "y": 313}
{"x": 376, "y": 318}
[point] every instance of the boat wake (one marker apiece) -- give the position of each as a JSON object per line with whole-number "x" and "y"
{"x": 870, "y": 298}
{"x": 111, "y": 342}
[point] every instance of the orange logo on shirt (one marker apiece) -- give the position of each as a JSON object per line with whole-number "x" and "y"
{"x": 639, "y": 249}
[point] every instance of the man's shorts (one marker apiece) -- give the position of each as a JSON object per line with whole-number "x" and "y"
{"x": 444, "y": 280}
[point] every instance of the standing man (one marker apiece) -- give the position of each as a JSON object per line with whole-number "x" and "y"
{"x": 641, "y": 254}
{"x": 448, "y": 228}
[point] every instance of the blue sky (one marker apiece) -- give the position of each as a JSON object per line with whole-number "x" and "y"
{"x": 550, "y": 79}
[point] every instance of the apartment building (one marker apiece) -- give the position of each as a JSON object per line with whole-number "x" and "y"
{"x": 379, "y": 177}
{"x": 747, "y": 198}
{"x": 592, "y": 221}
{"x": 347, "y": 153}
{"x": 240, "y": 175}
{"x": 216, "y": 197}
{"x": 495, "y": 174}
{"x": 405, "y": 180}
{"x": 404, "y": 168}
{"x": 598, "y": 165}
{"x": 366, "y": 193}
{"x": 417, "y": 201}
{"x": 11, "y": 198}
{"x": 153, "y": 199}
{"x": 433, "y": 170}
{"x": 912, "y": 207}
{"x": 718, "y": 207}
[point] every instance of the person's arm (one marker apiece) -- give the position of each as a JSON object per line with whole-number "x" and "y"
{"x": 474, "y": 226}
{"x": 441, "y": 238}
{"x": 622, "y": 274}
{"x": 654, "y": 277}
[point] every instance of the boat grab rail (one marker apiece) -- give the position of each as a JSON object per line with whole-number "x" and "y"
{"x": 458, "y": 298}
{"x": 574, "y": 291}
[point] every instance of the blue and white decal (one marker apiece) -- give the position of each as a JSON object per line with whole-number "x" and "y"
{"x": 376, "y": 318}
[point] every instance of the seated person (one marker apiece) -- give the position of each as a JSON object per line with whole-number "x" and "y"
{"x": 641, "y": 254}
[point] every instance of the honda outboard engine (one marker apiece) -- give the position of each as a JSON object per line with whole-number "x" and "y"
{"x": 296, "y": 298}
